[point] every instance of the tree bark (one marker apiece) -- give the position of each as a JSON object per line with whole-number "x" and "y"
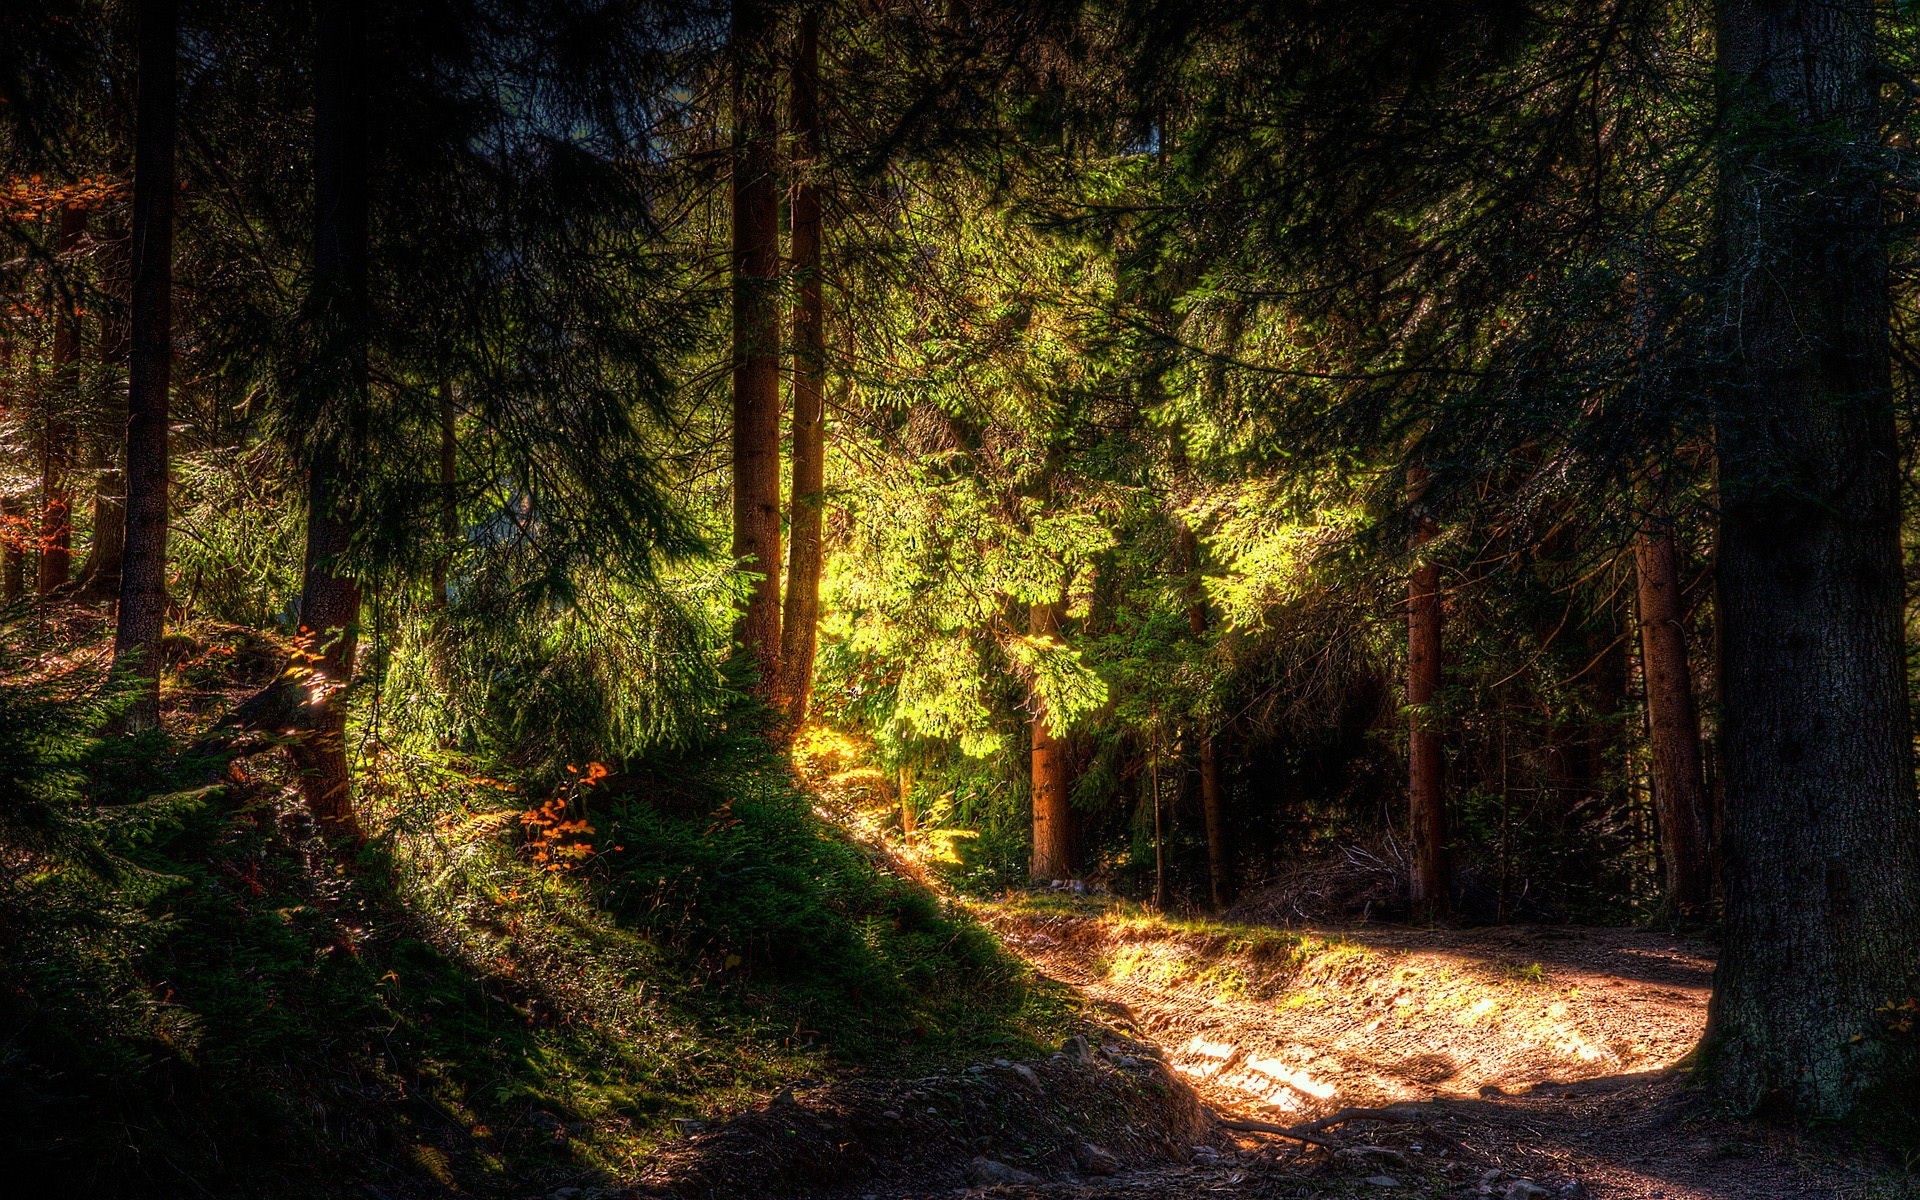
{"x": 1052, "y": 775}
{"x": 807, "y": 499}
{"x": 143, "y": 584}
{"x": 1673, "y": 721}
{"x": 1213, "y": 809}
{"x": 1430, "y": 882}
{"x": 57, "y": 429}
{"x": 756, "y": 335}
{"x": 1822, "y": 834}
{"x": 308, "y": 696}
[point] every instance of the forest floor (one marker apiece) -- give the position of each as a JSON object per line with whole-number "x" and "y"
{"x": 1517, "y": 1062}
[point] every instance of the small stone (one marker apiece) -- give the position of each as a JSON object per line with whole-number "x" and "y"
{"x": 1127, "y": 1061}
{"x": 1095, "y": 1161}
{"x": 985, "y": 1172}
{"x": 1525, "y": 1189}
{"x": 1002, "y": 1062}
{"x": 1076, "y": 1048}
{"x": 686, "y": 1127}
{"x": 1574, "y": 1190}
{"x": 1383, "y": 1181}
{"x": 566, "y": 1193}
{"x": 1028, "y": 1076}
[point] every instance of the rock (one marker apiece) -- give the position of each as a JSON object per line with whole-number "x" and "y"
{"x": 892, "y": 1114}
{"x": 1383, "y": 1181}
{"x": 1076, "y": 1048}
{"x": 566, "y": 1193}
{"x": 1028, "y": 1076}
{"x": 686, "y": 1127}
{"x": 1095, "y": 1161}
{"x": 985, "y": 1172}
{"x": 1574, "y": 1190}
{"x": 1525, "y": 1189}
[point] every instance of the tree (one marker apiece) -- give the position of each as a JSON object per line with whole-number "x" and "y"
{"x": 1052, "y": 772}
{"x": 143, "y": 585}
{"x": 1673, "y": 723}
{"x": 756, "y": 334}
{"x": 806, "y": 501}
{"x": 1822, "y": 835}
{"x": 337, "y": 305}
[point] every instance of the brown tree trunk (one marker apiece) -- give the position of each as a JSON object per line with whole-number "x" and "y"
{"x": 1673, "y": 722}
{"x": 308, "y": 696}
{"x": 1052, "y": 775}
{"x": 57, "y": 429}
{"x": 1213, "y": 808}
{"x": 807, "y": 499}
{"x": 756, "y": 335}
{"x": 100, "y": 577}
{"x": 909, "y": 814}
{"x": 1430, "y": 881}
{"x": 1822, "y": 834}
{"x": 143, "y": 585}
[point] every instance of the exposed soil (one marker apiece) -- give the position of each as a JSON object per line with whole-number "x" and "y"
{"x": 1521, "y": 1063}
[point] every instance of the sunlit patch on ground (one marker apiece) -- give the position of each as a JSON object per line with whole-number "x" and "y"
{"x": 1302, "y": 1022}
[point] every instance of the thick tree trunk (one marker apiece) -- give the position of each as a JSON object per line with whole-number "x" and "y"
{"x": 1673, "y": 721}
{"x": 756, "y": 335}
{"x": 1822, "y": 834}
{"x": 143, "y": 584}
{"x": 57, "y": 429}
{"x": 1052, "y": 775}
{"x": 807, "y": 499}
{"x": 329, "y": 595}
{"x": 1430, "y": 882}
{"x": 100, "y": 577}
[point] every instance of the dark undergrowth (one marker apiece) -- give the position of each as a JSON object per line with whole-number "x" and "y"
{"x": 197, "y": 998}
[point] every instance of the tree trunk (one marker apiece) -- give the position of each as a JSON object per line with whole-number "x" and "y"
{"x": 1213, "y": 807}
{"x": 1430, "y": 883}
{"x": 1822, "y": 835}
{"x": 100, "y": 577}
{"x": 57, "y": 430}
{"x": 143, "y": 570}
{"x": 308, "y": 696}
{"x": 909, "y": 815}
{"x": 1052, "y": 775}
{"x": 807, "y": 500}
{"x": 1673, "y": 722}
{"x": 756, "y": 335}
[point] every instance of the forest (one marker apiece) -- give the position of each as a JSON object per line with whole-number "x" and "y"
{"x": 901, "y": 598}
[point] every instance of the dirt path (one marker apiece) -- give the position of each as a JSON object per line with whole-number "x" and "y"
{"x": 1528, "y": 1058}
